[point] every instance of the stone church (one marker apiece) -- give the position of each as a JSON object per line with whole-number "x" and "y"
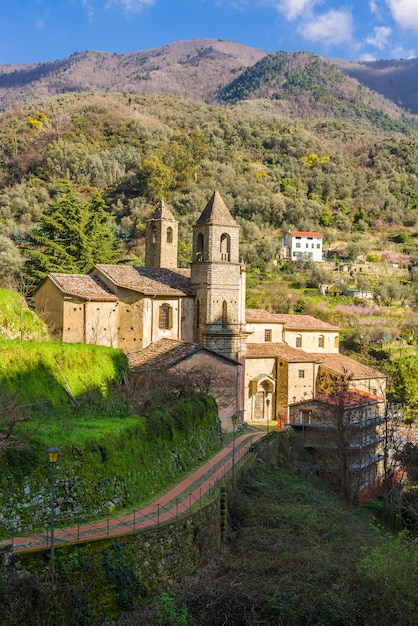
{"x": 168, "y": 318}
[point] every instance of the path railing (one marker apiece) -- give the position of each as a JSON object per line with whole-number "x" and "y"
{"x": 190, "y": 494}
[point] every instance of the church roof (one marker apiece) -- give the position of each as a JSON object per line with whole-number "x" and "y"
{"x": 216, "y": 212}
{"x": 166, "y": 353}
{"x": 81, "y": 286}
{"x": 162, "y": 211}
{"x": 149, "y": 281}
{"x": 345, "y": 366}
{"x": 278, "y": 350}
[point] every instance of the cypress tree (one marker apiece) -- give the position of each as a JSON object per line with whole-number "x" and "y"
{"x": 71, "y": 236}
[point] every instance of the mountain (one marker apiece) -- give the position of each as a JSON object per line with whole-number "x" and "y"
{"x": 209, "y": 69}
{"x": 193, "y": 69}
{"x": 397, "y": 80}
{"x": 307, "y": 85}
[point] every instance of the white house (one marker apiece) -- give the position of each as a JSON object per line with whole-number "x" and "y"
{"x": 306, "y": 245}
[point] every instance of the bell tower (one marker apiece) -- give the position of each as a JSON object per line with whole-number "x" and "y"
{"x": 218, "y": 279}
{"x": 161, "y": 238}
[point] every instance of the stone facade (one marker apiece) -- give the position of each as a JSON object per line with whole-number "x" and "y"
{"x": 278, "y": 360}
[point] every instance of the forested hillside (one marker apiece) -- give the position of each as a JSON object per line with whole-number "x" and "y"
{"x": 346, "y": 179}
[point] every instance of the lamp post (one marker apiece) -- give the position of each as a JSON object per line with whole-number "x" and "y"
{"x": 234, "y": 419}
{"x": 267, "y": 411}
{"x": 53, "y": 456}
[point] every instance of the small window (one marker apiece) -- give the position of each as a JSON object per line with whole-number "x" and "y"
{"x": 299, "y": 341}
{"x": 267, "y": 334}
{"x": 154, "y": 235}
{"x": 294, "y": 254}
{"x": 298, "y": 245}
{"x": 336, "y": 342}
{"x": 321, "y": 341}
{"x": 224, "y": 314}
{"x": 169, "y": 235}
{"x": 165, "y": 317}
{"x": 318, "y": 245}
{"x": 306, "y": 245}
{"x": 301, "y": 374}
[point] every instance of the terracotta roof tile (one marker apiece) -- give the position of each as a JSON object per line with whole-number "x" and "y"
{"x": 82, "y": 286}
{"x": 289, "y": 321}
{"x": 345, "y": 366}
{"x": 150, "y": 281}
{"x": 165, "y": 353}
{"x": 279, "y": 350}
{"x": 297, "y": 233}
{"x": 162, "y": 353}
{"x": 349, "y": 398}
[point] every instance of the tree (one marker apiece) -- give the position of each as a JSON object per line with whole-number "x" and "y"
{"x": 154, "y": 178}
{"x": 71, "y": 236}
{"x": 10, "y": 415}
{"x": 11, "y": 261}
{"x": 102, "y": 245}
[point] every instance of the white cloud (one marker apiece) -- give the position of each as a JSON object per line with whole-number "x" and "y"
{"x": 380, "y": 37}
{"x": 293, "y": 9}
{"x": 405, "y": 13}
{"x": 131, "y": 6}
{"x": 333, "y": 27}
{"x": 399, "y": 52}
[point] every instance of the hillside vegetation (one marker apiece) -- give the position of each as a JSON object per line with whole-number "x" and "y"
{"x": 119, "y": 443}
{"x": 342, "y": 178}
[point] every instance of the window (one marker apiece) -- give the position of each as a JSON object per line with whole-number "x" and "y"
{"x": 169, "y": 235}
{"x": 301, "y": 374}
{"x": 336, "y": 342}
{"x": 154, "y": 234}
{"x": 224, "y": 314}
{"x": 199, "y": 247}
{"x": 165, "y": 317}
{"x": 267, "y": 334}
{"x": 313, "y": 245}
{"x": 318, "y": 246}
{"x": 321, "y": 341}
{"x": 298, "y": 341}
{"x": 294, "y": 254}
{"x": 298, "y": 244}
{"x": 306, "y": 245}
{"x": 225, "y": 247}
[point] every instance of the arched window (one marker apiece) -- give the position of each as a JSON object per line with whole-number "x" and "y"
{"x": 225, "y": 247}
{"x": 224, "y": 314}
{"x": 169, "y": 235}
{"x": 199, "y": 247}
{"x": 165, "y": 319}
{"x": 298, "y": 341}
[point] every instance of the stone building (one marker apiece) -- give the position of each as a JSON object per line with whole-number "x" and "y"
{"x": 270, "y": 361}
{"x": 344, "y": 433}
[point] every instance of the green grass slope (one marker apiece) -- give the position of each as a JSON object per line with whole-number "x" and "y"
{"x": 17, "y": 321}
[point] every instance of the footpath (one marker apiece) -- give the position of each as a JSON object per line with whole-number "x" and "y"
{"x": 181, "y": 498}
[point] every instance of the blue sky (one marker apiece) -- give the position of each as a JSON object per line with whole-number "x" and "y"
{"x": 45, "y": 30}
